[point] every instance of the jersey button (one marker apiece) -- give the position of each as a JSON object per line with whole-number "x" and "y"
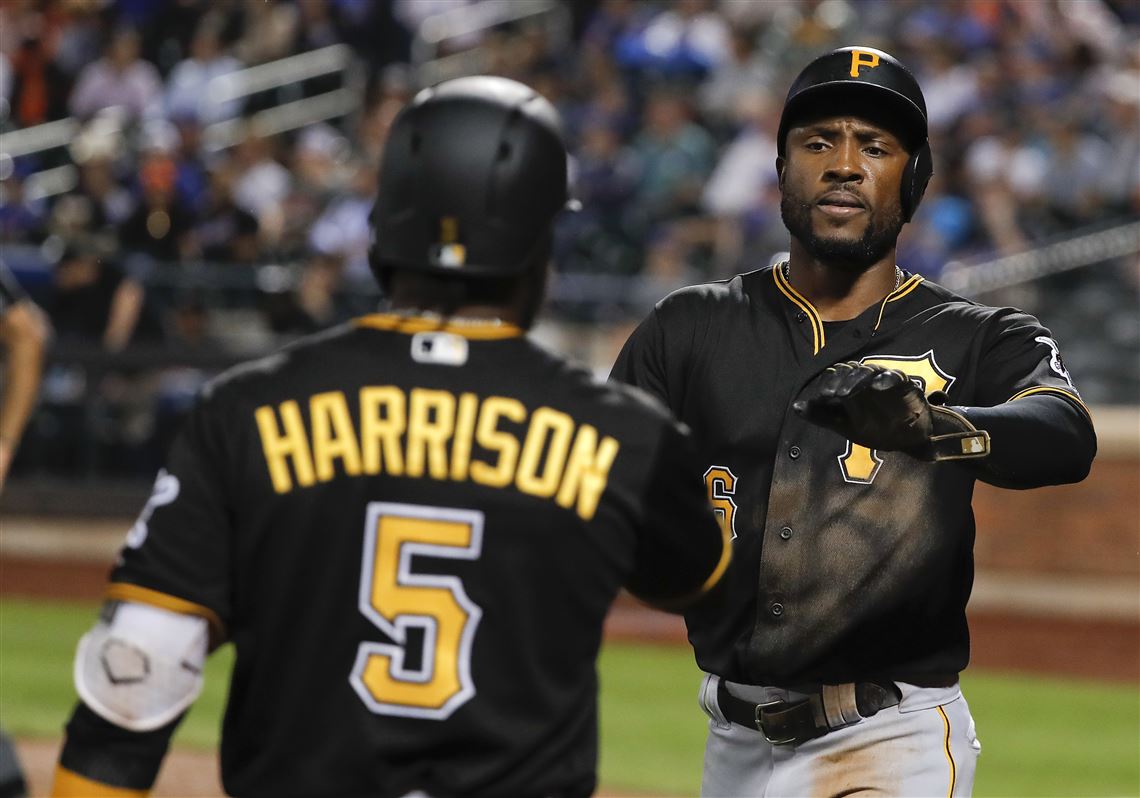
{"x": 777, "y": 609}
{"x": 801, "y": 317}
{"x": 786, "y": 533}
{"x": 794, "y": 452}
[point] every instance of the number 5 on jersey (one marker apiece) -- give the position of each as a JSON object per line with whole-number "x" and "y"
{"x": 396, "y": 599}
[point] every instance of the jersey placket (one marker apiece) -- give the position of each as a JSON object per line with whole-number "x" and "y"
{"x": 787, "y": 597}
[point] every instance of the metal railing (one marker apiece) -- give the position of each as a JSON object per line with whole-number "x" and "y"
{"x": 39, "y": 137}
{"x": 1082, "y": 248}
{"x": 244, "y": 83}
{"x": 439, "y": 31}
{"x": 293, "y": 114}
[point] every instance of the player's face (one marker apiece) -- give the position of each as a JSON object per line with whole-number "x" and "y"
{"x": 840, "y": 185}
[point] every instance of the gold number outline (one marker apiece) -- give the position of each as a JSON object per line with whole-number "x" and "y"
{"x": 721, "y": 493}
{"x": 397, "y": 631}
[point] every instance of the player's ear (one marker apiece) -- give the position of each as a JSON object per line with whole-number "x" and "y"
{"x": 781, "y": 162}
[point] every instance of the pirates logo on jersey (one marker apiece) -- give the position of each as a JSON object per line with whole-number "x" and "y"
{"x": 721, "y": 484}
{"x": 860, "y": 464}
{"x": 1055, "y": 361}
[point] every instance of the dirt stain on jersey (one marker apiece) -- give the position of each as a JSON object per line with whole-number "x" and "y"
{"x": 860, "y": 767}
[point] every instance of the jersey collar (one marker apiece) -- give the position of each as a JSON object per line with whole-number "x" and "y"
{"x": 473, "y": 329}
{"x": 819, "y": 336}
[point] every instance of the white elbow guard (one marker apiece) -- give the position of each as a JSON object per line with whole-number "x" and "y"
{"x": 143, "y": 667}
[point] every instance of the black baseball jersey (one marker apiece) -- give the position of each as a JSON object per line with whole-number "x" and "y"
{"x": 412, "y": 533}
{"x": 849, "y": 563}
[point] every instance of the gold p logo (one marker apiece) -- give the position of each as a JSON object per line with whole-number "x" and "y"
{"x": 862, "y": 58}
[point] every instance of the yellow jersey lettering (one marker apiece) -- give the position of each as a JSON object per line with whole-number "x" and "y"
{"x": 382, "y": 424}
{"x": 862, "y": 58}
{"x": 464, "y": 431}
{"x": 587, "y": 472}
{"x": 291, "y": 444}
{"x": 333, "y": 435}
{"x": 431, "y": 419}
{"x": 488, "y": 435}
{"x": 433, "y": 433}
{"x": 550, "y": 432}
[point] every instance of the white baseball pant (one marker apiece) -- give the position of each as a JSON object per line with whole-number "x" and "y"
{"x": 925, "y": 746}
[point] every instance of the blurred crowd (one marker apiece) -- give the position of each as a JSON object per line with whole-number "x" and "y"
{"x": 670, "y": 107}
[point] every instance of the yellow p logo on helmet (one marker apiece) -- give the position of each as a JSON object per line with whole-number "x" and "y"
{"x": 862, "y": 58}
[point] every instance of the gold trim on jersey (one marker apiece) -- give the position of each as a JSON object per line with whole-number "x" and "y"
{"x": 124, "y": 591}
{"x": 722, "y": 565}
{"x": 904, "y": 288}
{"x": 1070, "y": 395}
{"x": 818, "y": 339}
{"x": 949, "y": 755}
{"x": 475, "y": 329}
{"x": 69, "y": 784}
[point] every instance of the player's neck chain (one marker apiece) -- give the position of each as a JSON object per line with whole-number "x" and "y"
{"x": 785, "y": 267}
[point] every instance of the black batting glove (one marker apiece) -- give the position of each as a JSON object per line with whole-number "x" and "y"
{"x": 883, "y": 409}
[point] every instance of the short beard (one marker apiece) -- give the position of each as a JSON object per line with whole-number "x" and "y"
{"x": 857, "y": 256}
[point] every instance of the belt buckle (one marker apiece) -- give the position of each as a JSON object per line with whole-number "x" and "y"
{"x": 760, "y": 723}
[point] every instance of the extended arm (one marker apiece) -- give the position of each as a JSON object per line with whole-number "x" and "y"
{"x": 683, "y": 552}
{"x": 136, "y": 673}
{"x": 24, "y": 332}
{"x": 1041, "y": 439}
{"x": 1038, "y": 440}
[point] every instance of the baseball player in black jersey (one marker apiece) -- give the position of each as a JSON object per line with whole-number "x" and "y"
{"x": 843, "y": 409}
{"x": 410, "y": 527}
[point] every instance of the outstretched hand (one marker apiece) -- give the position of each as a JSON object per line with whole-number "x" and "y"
{"x": 872, "y": 406}
{"x": 883, "y": 409}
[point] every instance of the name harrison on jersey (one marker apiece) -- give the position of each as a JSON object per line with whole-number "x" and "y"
{"x": 431, "y": 433}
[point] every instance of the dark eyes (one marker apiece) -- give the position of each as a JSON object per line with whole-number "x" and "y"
{"x": 872, "y": 150}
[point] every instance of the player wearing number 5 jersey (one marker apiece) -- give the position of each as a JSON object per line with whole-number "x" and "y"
{"x": 410, "y": 527}
{"x": 844, "y": 409}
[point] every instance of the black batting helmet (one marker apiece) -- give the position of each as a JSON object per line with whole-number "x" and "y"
{"x": 473, "y": 174}
{"x": 864, "y": 74}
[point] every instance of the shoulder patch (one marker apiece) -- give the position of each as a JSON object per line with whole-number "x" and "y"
{"x": 1055, "y": 361}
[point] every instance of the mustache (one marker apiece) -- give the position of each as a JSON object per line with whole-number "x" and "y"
{"x": 842, "y": 193}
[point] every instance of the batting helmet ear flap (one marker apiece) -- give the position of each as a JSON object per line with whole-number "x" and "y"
{"x": 915, "y": 179}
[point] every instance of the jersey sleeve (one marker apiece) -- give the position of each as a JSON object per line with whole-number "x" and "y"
{"x": 1020, "y": 358}
{"x": 682, "y": 550}
{"x": 177, "y": 554}
{"x": 641, "y": 362}
{"x": 1041, "y": 432}
{"x": 101, "y": 759}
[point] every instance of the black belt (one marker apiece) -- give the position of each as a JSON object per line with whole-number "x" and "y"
{"x": 795, "y": 722}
